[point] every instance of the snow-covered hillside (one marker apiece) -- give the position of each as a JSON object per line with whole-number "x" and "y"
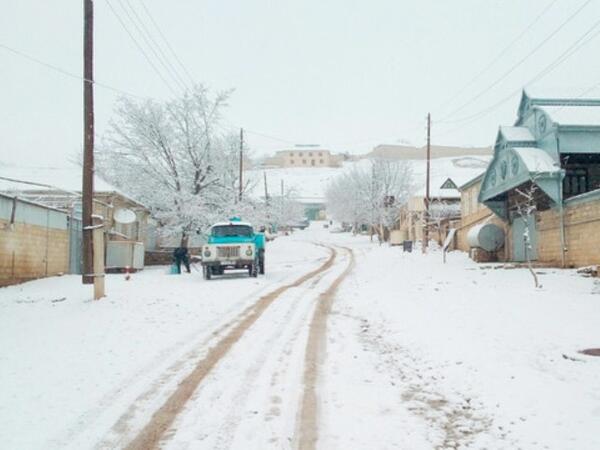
{"x": 310, "y": 184}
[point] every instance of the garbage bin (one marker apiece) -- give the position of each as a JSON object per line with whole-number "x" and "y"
{"x": 407, "y": 246}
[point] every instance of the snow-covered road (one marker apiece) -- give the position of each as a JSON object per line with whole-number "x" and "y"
{"x": 397, "y": 351}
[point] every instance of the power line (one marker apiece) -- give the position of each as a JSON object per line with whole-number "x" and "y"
{"x": 140, "y": 48}
{"x": 570, "y": 51}
{"x": 167, "y": 42}
{"x": 66, "y": 72}
{"x": 501, "y": 54}
{"x": 152, "y": 44}
{"x": 521, "y": 61}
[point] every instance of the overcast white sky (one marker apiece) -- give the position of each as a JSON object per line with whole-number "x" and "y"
{"x": 340, "y": 73}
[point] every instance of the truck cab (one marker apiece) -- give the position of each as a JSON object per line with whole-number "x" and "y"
{"x": 233, "y": 245}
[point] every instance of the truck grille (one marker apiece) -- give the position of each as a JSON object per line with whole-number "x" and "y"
{"x": 228, "y": 252}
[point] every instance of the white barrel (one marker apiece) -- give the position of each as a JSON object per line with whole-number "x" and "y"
{"x": 487, "y": 236}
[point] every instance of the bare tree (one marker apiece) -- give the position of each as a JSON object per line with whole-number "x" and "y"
{"x": 526, "y": 207}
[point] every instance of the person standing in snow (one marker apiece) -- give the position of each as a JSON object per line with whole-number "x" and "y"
{"x": 180, "y": 255}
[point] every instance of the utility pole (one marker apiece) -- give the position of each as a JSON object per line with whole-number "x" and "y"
{"x": 241, "y": 163}
{"x": 282, "y": 200}
{"x": 427, "y": 200}
{"x": 266, "y": 198}
{"x": 88, "y": 139}
{"x": 266, "y": 191}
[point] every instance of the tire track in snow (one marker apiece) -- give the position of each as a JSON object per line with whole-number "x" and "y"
{"x": 185, "y": 349}
{"x": 150, "y": 436}
{"x": 307, "y": 430}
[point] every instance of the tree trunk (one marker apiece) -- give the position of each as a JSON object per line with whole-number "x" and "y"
{"x": 184, "y": 239}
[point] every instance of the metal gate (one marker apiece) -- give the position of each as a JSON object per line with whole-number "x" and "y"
{"x": 75, "y": 245}
{"x": 521, "y": 250}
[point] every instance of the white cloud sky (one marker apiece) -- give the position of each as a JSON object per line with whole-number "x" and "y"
{"x": 340, "y": 73}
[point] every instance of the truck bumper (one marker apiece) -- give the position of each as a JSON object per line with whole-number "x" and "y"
{"x": 235, "y": 264}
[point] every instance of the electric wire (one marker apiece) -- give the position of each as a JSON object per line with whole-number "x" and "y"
{"x": 503, "y": 52}
{"x": 583, "y": 40}
{"x": 518, "y": 63}
{"x": 140, "y": 48}
{"x": 166, "y": 41}
{"x": 151, "y": 43}
{"x": 69, "y": 74}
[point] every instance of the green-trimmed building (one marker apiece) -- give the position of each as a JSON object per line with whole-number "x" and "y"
{"x": 543, "y": 182}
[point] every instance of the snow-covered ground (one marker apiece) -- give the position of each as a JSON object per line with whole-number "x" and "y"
{"x": 69, "y": 366}
{"x": 475, "y": 353}
{"x": 418, "y": 355}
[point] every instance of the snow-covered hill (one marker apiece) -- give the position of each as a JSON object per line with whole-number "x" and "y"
{"x": 310, "y": 184}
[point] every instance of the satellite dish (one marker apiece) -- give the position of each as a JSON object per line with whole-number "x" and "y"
{"x": 125, "y": 216}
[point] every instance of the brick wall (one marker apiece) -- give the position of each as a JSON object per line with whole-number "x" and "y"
{"x": 31, "y": 251}
{"x": 582, "y": 234}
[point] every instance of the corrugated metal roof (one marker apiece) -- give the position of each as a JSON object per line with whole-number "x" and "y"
{"x": 564, "y": 94}
{"x": 537, "y": 160}
{"x": 517, "y": 134}
{"x": 573, "y": 115}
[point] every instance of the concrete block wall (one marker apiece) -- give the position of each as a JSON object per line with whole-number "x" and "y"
{"x": 31, "y": 251}
{"x": 582, "y": 235}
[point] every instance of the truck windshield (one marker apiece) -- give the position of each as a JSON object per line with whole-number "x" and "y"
{"x": 232, "y": 230}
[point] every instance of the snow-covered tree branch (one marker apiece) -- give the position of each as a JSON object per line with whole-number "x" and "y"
{"x": 174, "y": 157}
{"x": 371, "y": 195}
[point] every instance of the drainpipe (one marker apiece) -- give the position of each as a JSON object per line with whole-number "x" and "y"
{"x": 561, "y": 209}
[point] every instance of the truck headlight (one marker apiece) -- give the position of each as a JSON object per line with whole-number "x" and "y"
{"x": 207, "y": 253}
{"x": 249, "y": 252}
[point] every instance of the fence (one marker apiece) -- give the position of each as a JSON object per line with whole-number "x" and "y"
{"x": 34, "y": 241}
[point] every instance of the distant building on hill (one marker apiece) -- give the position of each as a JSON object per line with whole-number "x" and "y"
{"x": 408, "y": 152}
{"x": 305, "y": 156}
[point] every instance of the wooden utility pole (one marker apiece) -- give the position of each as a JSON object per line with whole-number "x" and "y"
{"x": 282, "y": 200}
{"x": 88, "y": 140}
{"x": 427, "y": 200}
{"x": 266, "y": 190}
{"x": 241, "y": 163}
{"x": 268, "y": 218}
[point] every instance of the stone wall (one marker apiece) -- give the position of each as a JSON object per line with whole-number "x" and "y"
{"x": 31, "y": 251}
{"x": 582, "y": 232}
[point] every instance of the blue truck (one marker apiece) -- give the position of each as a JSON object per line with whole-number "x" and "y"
{"x": 233, "y": 245}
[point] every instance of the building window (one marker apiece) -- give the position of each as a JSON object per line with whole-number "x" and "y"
{"x": 321, "y": 161}
{"x": 291, "y": 161}
{"x": 309, "y": 153}
{"x": 575, "y": 182}
{"x": 291, "y": 154}
{"x": 320, "y": 154}
{"x": 303, "y": 161}
{"x": 312, "y": 162}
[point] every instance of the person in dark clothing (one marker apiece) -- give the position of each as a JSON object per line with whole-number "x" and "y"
{"x": 180, "y": 255}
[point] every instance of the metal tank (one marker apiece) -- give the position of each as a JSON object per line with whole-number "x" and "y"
{"x": 487, "y": 236}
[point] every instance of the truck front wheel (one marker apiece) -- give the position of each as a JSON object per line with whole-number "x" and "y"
{"x": 207, "y": 272}
{"x": 261, "y": 265}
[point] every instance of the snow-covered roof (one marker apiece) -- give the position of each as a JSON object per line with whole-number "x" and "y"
{"x": 68, "y": 178}
{"x": 233, "y": 222}
{"x": 517, "y": 134}
{"x": 561, "y": 94}
{"x": 537, "y": 160}
{"x": 573, "y": 115}
{"x": 471, "y": 182}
